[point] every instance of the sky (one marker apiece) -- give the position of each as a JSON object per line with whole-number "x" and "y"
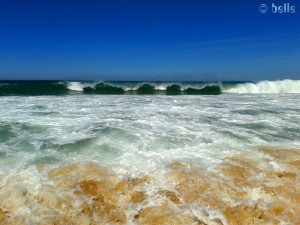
{"x": 140, "y": 40}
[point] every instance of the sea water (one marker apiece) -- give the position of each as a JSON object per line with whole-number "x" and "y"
{"x": 150, "y": 159}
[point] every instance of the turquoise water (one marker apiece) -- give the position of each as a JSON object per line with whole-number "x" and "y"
{"x": 142, "y": 131}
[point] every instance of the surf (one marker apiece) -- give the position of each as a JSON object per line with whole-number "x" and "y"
{"x": 35, "y": 88}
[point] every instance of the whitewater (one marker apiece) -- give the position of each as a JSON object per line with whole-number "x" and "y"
{"x": 152, "y": 159}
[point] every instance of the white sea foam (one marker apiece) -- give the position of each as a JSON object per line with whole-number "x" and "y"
{"x": 78, "y": 86}
{"x": 138, "y": 135}
{"x": 75, "y": 86}
{"x": 143, "y": 131}
{"x": 281, "y": 86}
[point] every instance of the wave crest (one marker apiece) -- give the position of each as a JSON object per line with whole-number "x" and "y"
{"x": 150, "y": 88}
{"x": 147, "y": 88}
{"x": 266, "y": 87}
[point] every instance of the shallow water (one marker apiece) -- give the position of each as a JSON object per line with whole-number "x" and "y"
{"x": 150, "y": 159}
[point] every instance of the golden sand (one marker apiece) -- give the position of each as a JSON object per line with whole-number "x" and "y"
{"x": 241, "y": 190}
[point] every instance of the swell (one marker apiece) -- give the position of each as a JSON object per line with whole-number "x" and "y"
{"x": 101, "y": 88}
{"x": 141, "y": 88}
{"x": 147, "y": 88}
{"x": 34, "y": 88}
{"x": 192, "y": 88}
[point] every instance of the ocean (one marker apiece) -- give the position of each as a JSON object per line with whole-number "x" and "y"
{"x": 150, "y": 152}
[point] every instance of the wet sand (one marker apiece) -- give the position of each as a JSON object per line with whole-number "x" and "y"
{"x": 261, "y": 189}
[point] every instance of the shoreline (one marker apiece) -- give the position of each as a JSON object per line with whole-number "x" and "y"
{"x": 242, "y": 189}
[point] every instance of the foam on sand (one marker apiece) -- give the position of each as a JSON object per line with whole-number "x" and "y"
{"x": 262, "y": 189}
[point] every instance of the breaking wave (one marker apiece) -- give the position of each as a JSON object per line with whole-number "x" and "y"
{"x": 281, "y": 86}
{"x": 151, "y": 88}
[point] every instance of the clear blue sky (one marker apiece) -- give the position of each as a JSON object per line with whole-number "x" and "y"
{"x": 148, "y": 40}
